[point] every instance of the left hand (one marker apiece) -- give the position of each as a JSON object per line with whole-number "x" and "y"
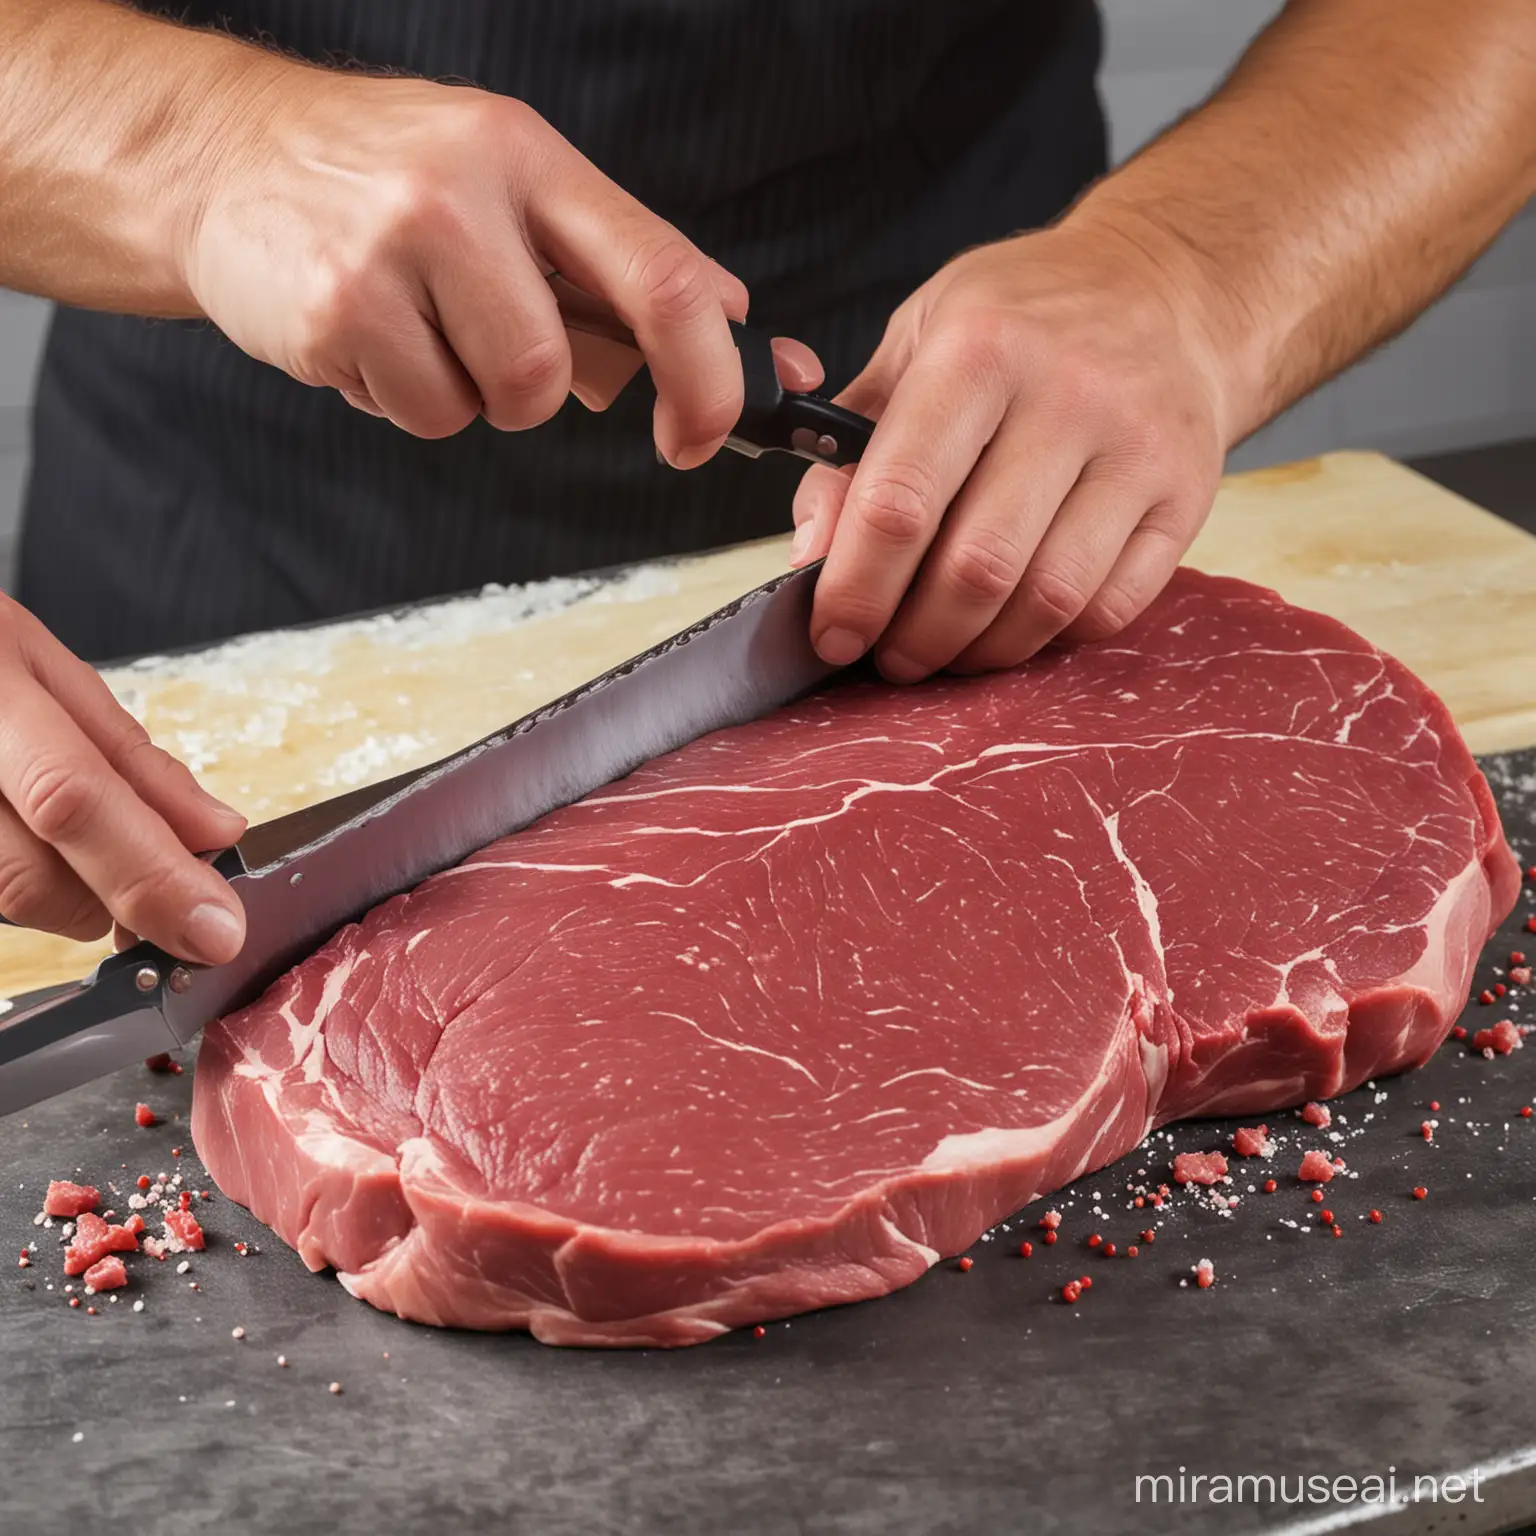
{"x": 1052, "y": 425}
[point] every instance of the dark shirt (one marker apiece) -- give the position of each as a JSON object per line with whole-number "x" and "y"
{"x": 831, "y": 153}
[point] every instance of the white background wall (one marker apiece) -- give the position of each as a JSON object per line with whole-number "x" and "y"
{"x": 1465, "y": 374}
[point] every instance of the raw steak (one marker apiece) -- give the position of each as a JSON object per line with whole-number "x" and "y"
{"x": 784, "y": 1017}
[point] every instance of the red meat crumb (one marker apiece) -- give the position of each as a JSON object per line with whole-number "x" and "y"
{"x": 143, "y": 1116}
{"x": 1051, "y": 1220}
{"x": 134, "y": 1224}
{"x": 1205, "y": 1274}
{"x": 1199, "y": 1168}
{"x": 66, "y": 1199}
{"x": 94, "y": 1240}
{"x": 1317, "y": 1114}
{"x": 1520, "y": 975}
{"x": 1315, "y": 1168}
{"x": 1503, "y": 1038}
{"x": 106, "y": 1275}
{"x": 1252, "y": 1141}
{"x": 182, "y": 1231}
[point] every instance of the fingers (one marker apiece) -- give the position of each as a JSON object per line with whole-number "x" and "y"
{"x": 39, "y": 890}
{"x": 1065, "y": 572}
{"x": 1141, "y": 570}
{"x": 199, "y": 820}
{"x": 671, "y": 296}
{"x": 600, "y": 369}
{"x": 929, "y": 437}
{"x": 67, "y": 795}
{"x": 406, "y": 368}
{"x": 822, "y": 492}
{"x": 797, "y": 365}
{"x": 989, "y": 536}
{"x": 818, "y": 504}
{"x": 501, "y": 321}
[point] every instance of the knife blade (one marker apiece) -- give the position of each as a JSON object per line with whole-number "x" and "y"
{"x": 307, "y": 874}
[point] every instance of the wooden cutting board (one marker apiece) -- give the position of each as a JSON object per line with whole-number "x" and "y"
{"x": 277, "y": 721}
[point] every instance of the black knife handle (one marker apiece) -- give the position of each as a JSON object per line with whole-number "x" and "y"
{"x": 779, "y": 420}
{"x": 773, "y": 419}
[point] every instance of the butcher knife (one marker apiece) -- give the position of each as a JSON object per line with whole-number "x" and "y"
{"x": 303, "y": 876}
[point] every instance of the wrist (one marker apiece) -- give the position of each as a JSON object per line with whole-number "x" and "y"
{"x": 1216, "y": 326}
{"x": 238, "y": 93}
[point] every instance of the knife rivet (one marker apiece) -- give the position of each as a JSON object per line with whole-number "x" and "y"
{"x": 826, "y": 446}
{"x": 296, "y": 878}
{"x": 146, "y": 978}
{"x": 180, "y": 979}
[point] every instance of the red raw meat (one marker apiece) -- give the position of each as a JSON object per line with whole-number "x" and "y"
{"x": 1252, "y": 1141}
{"x": 183, "y": 1231}
{"x": 1503, "y": 1038}
{"x": 1316, "y": 1168}
{"x": 66, "y": 1199}
{"x": 1199, "y": 1168}
{"x": 106, "y": 1275}
{"x": 1317, "y": 1114}
{"x": 785, "y": 1017}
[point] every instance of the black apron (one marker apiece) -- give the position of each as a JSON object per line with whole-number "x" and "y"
{"x": 832, "y": 153}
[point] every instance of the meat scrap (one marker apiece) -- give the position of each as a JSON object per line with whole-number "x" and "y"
{"x": 183, "y": 1232}
{"x": 1199, "y": 1168}
{"x": 67, "y": 1199}
{"x": 1502, "y": 1038}
{"x": 107, "y": 1274}
{"x": 93, "y": 1240}
{"x": 1316, "y": 1168}
{"x": 1317, "y": 1114}
{"x": 788, "y": 1016}
{"x": 1252, "y": 1141}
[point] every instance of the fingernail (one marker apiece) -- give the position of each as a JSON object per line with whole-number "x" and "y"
{"x": 215, "y": 804}
{"x": 800, "y": 545}
{"x": 896, "y": 668}
{"x": 840, "y": 647}
{"x": 213, "y": 933}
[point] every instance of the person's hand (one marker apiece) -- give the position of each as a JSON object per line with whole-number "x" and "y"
{"x": 390, "y": 238}
{"x": 97, "y": 823}
{"x": 1052, "y": 426}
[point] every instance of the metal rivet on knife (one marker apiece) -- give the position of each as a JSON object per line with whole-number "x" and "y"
{"x": 146, "y": 978}
{"x": 826, "y": 446}
{"x": 803, "y": 440}
{"x": 180, "y": 979}
{"x": 296, "y": 878}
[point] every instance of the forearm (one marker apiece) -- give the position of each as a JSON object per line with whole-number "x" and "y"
{"x": 111, "y": 124}
{"x": 1360, "y": 157}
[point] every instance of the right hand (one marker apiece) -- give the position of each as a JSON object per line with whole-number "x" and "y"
{"x": 96, "y": 822}
{"x": 390, "y": 238}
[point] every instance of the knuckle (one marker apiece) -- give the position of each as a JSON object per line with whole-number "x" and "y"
{"x": 980, "y": 339}
{"x": 332, "y": 315}
{"x": 1057, "y": 596}
{"x": 986, "y": 565}
{"x": 132, "y": 747}
{"x": 1111, "y": 609}
{"x": 140, "y": 899}
{"x": 26, "y": 894}
{"x": 59, "y": 801}
{"x": 531, "y": 384}
{"x": 894, "y": 504}
{"x": 670, "y": 277}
